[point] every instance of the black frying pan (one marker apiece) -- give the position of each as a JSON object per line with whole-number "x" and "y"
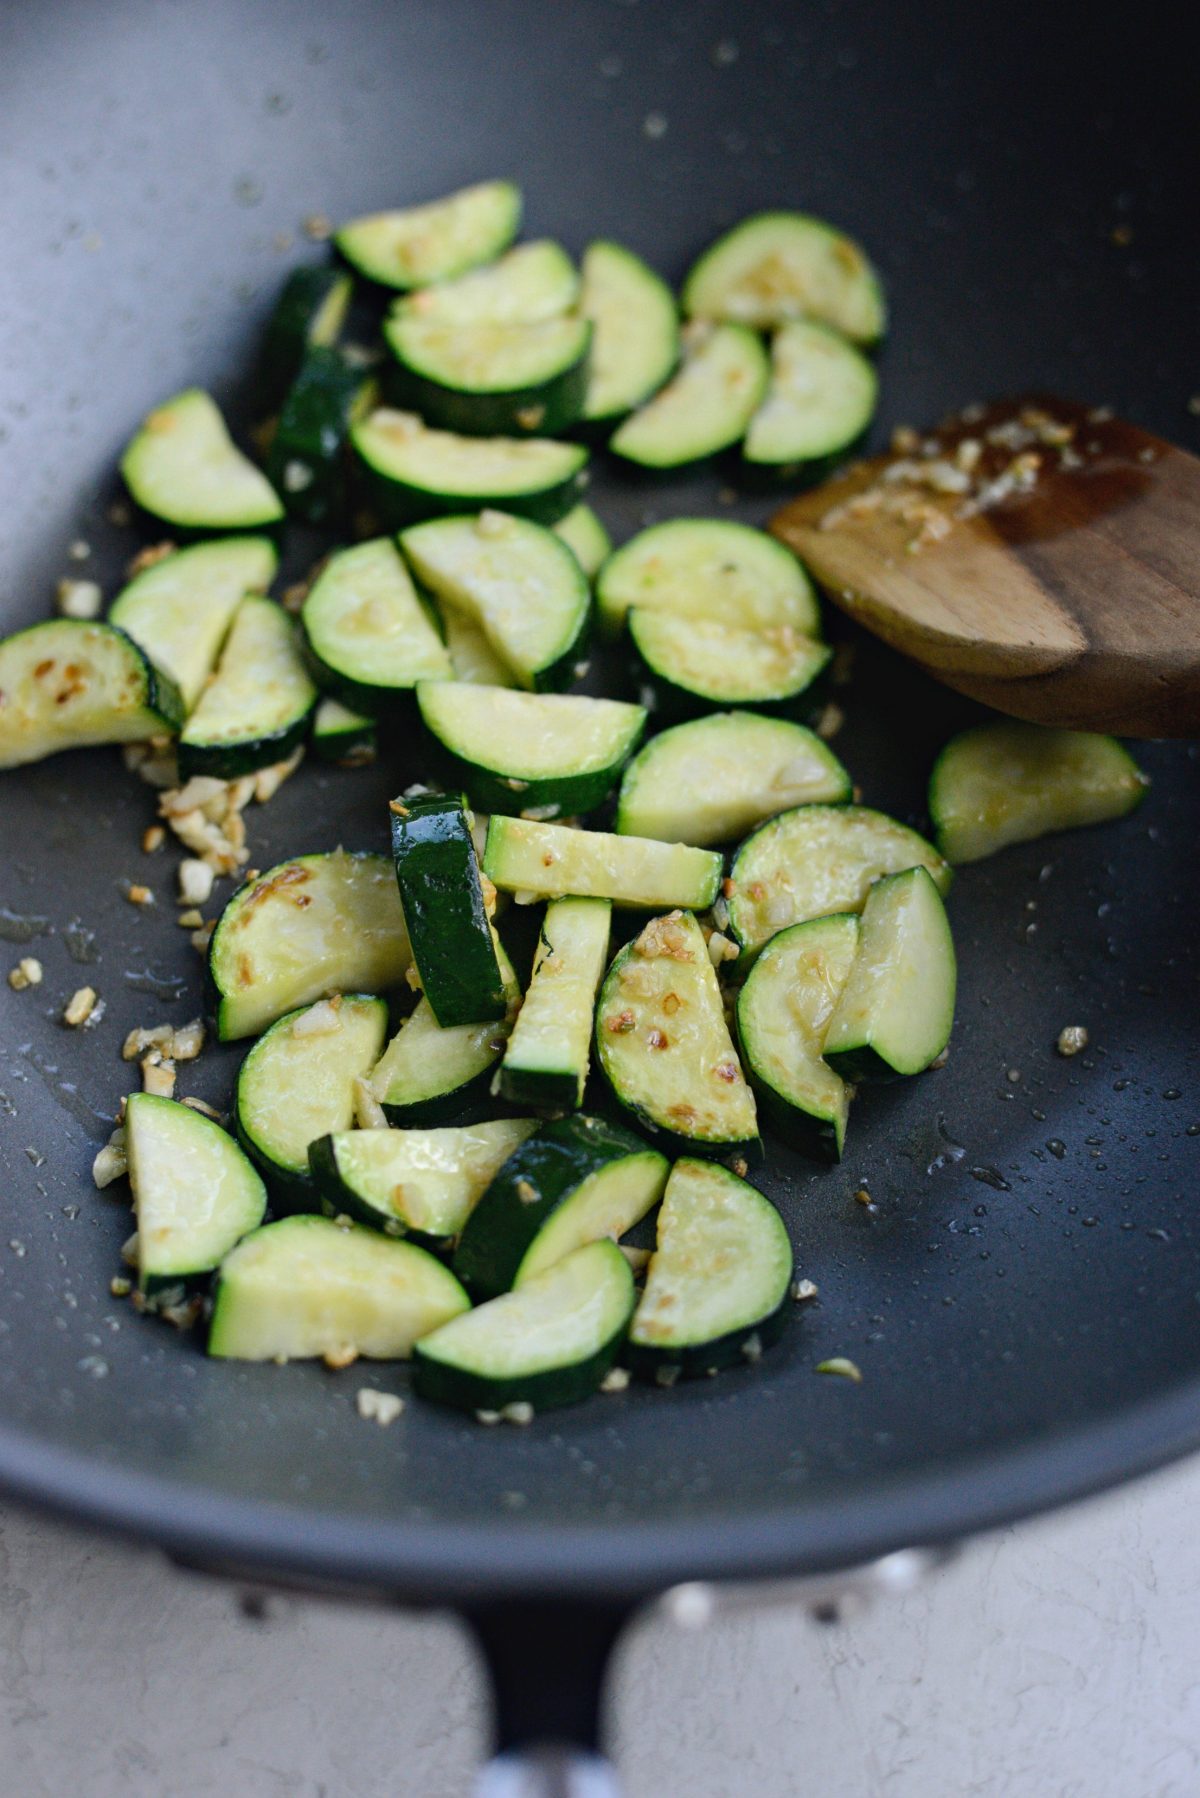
{"x": 1022, "y": 1296}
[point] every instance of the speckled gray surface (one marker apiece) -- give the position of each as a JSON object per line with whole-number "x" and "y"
{"x": 1056, "y": 1660}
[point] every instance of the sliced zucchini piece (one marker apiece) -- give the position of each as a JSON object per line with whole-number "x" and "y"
{"x": 488, "y": 379}
{"x": 536, "y": 280}
{"x": 635, "y": 331}
{"x": 694, "y": 663}
{"x": 717, "y": 1288}
{"x": 549, "y": 1343}
{"x": 429, "y": 1076}
{"x": 442, "y": 897}
{"x": 368, "y": 636}
{"x": 304, "y": 930}
{"x": 414, "y": 473}
{"x": 309, "y": 314}
{"x": 576, "y": 1181}
{"x": 664, "y": 1045}
{"x": 434, "y": 242}
{"x": 586, "y": 538}
{"x": 705, "y": 407}
{"x": 546, "y": 1062}
{"x": 778, "y": 266}
{"x": 70, "y": 683}
{"x": 183, "y": 466}
{"x": 820, "y": 400}
{"x": 307, "y": 1286}
{"x": 471, "y": 653}
{"x": 554, "y": 753}
{"x": 307, "y": 463}
{"x": 256, "y": 708}
{"x": 895, "y": 1012}
{"x": 708, "y": 568}
{"x": 343, "y": 736}
{"x": 417, "y": 1183}
{"x": 516, "y": 580}
{"x": 298, "y": 1083}
{"x": 783, "y": 1011}
{"x": 715, "y": 778}
{"x": 194, "y": 1192}
{"x": 180, "y": 609}
{"x": 1008, "y": 782}
{"x": 815, "y": 860}
{"x": 551, "y": 861}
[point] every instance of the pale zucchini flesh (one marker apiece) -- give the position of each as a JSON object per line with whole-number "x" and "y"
{"x": 705, "y": 407}
{"x": 513, "y": 578}
{"x": 664, "y": 1045}
{"x": 256, "y": 707}
{"x": 183, "y": 466}
{"x": 586, "y": 537}
{"x": 70, "y": 683}
{"x": 180, "y": 609}
{"x": 783, "y": 1012}
{"x": 305, "y": 929}
{"x": 343, "y": 735}
{"x": 708, "y": 568}
{"x": 415, "y": 1182}
{"x": 551, "y": 861}
{"x": 815, "y": 860}
{"x": 195, "y": 1194}
{"x": 533, "y": 281}
{"x": 895, "y": 1012}
{"x": 369, "y": 635}
{"x": 422, "y": 473}
{"x": 778, "y": 266}
{"x": 471, "y": 654}
{"x": 548, "y": 1343}
{"x": 699, "y": 660}
{"x": 717, "y": 1288}
{"x": 1008, "y": 782}
{"x": 715, "y": 778}
{"x": 487, "y": 357}
{"x": 431, "y": 1075}
{"x": 635, "y": 330}
{"x": 546, "y": 1061}
{"x": 819, "y": 401}
{"x": 602, "y": 1208}
{"x": 307, "y": 1286}
{"x": 434, "y": 242}
{"x": 299, "y": 1082}
{"x": 556, "y": 752}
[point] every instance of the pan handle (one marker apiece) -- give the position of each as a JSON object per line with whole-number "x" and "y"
{"x": 547, "y": 1664}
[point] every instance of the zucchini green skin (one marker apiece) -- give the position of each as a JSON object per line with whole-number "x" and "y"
{"x": 398, "y": 503}
{"x": 230, "y": 761}
{"x": 470, "y": 1102}
{"x": 147, "y": 702}
{"x": 676, "y": 699}
{"x": 733, "y": 1231}
{"x": 168, "y": 1143}
{"x": 698, "y": 1361}
{"x": 542, "y": 409}
{"x": 291, "y": 1184}
{"x": 471, "y": 1389}
{"x": 795, "y": 1116}
{"x": 257, "y": 707}
{"x": 513, "y": 790}
{"x": 308, "y": 313}
{"x": 442, "y": 896}
{"x": 328, "y": 394}
{"x": 531, "y": 1186}
{"x": 343, "y": 737}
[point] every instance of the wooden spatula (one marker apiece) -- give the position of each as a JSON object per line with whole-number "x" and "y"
{"x": 1033, "y": 554}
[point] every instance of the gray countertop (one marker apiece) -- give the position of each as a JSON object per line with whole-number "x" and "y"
{"x": 1055, "y": 1660}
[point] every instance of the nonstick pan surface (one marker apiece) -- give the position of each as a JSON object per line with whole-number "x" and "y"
{"x": 1023, "y": 1294}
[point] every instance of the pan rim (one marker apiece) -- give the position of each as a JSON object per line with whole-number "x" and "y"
{"x": 623, "y": 1563}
